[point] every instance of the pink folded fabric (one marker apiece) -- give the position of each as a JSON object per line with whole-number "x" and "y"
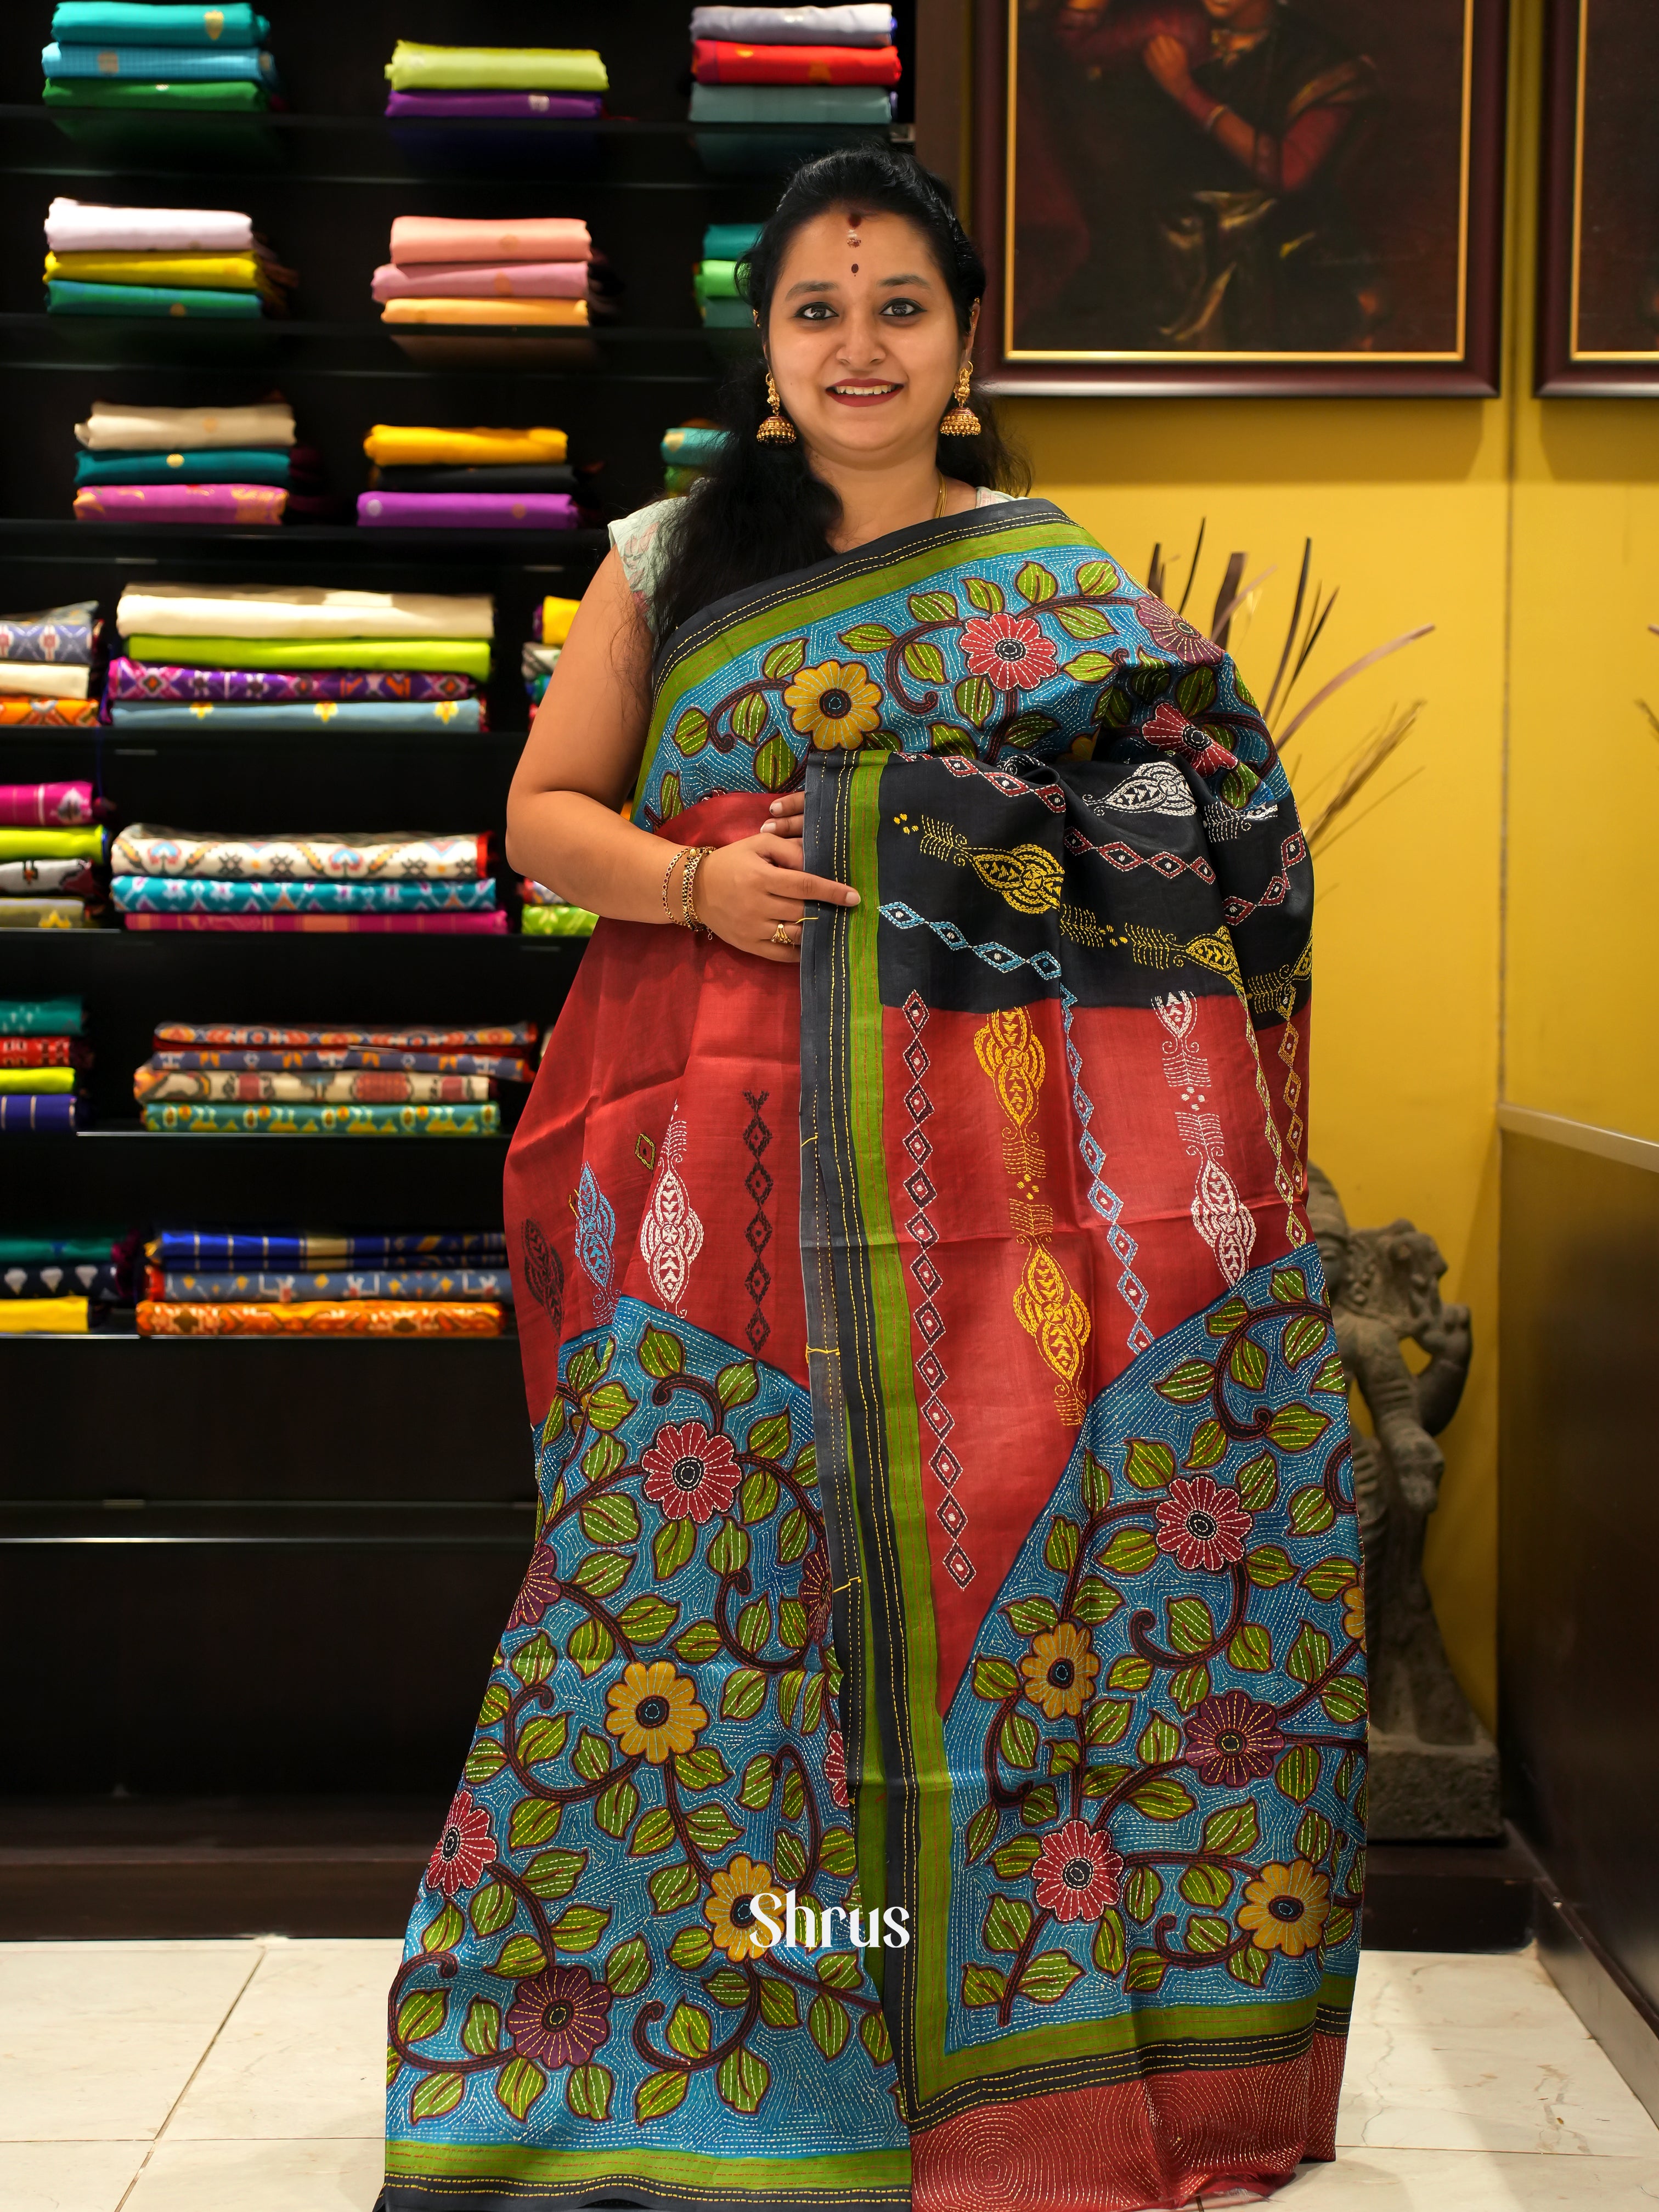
{"x": 46, "y": 805}
{"x": 427, "y": 238}
{"x": 469, "y": 280}
{"x": 468, "y": 510}
{"x": 180, "y": 503}
{"x": 328, "y": 925}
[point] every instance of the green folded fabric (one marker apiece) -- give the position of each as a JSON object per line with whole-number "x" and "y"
{"x": 557, "y": 921}
{"x": 790, "y": 103}
{"x": 729, "y": 241}
{"x": 726, "y": 314}
{"x": 41, "y": 1017}
{"x": 139, "y": 22}
{"x": 66, "y": 297}
{"x": 218, "y": 465}
{"x": 717, "y": 280}
{"x": 415, "y": 68}
{"x": 137, "y": 94}
{"x": 43, "y": 1249}
{"x": 455, "y": 656}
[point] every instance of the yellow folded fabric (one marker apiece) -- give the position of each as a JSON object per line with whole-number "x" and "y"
{"x": 218, "y": 272}
{"x": 557, "y": 615}
{"x": 417, "y": 67}
{"x": 51, "y": 844}
{"x": 63, "y": 1316}
{"x": 394, "y": 444}
{"x": 568, "y": 314}
{"x": 37, "y": 1078}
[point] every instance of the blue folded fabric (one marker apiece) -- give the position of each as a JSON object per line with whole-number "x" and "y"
{"x": 790, "y": 103}
{"x": 729, "y": 241}
{"x": 220, "y": 465}
{"x": 162, "y": 64}
{"x": 107, "y": 22}
{"x": 688, "y": 447}
{"x": 65, "y": 296}
{"x": 460, "y": 717}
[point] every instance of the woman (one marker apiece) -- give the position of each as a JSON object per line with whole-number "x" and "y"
{"x": 924, "y": 1761}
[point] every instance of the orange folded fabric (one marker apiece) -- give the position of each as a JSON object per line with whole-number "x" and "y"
{"x": 568, "y": 314}
{"x": 723, "y": 61}
{"x": 350, "y": 1317}
{"x": 417, "y": 238}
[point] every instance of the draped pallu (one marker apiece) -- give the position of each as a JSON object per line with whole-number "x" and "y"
{"x": 947, "y": 1511}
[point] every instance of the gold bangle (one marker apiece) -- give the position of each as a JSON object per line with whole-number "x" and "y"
{"x": 695, "y": 860}
{"x": 668, "y": 875}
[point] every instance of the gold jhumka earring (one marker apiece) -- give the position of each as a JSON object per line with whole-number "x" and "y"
{"x": 777, "y": 429}
{"x": 959, "y": 420}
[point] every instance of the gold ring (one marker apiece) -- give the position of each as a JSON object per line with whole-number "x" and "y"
{"x": 781, "y": 934}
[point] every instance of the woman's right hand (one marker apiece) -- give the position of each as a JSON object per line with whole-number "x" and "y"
{"x": 743, "y": 892}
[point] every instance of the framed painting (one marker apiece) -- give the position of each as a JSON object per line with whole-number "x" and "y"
{"x": 1259, "y": 198}
{"x": 1598, "y": 278}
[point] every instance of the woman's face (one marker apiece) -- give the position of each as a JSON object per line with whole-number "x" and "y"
{"x": 862, "y": 338}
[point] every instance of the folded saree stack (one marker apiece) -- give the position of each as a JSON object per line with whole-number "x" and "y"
{"x": 308, "y": 1283}
{"x": 789, "y": 66}
{"x": 139, "y": 54}
{"x": 192, "y": 465}
{"x": 45, "y": 667}
{"x": 506, "y": 83}
{"x": 451, "y": 269}
{"x": 175, "y": 261}
{"x": 549, "y": 625}
{"x": 544, "y": 914}
{"x": 42, "y": 1060}
{"x": 434, "y": 479}
{"x": 198, "y": 879}
{"x": 721, "y": 301}
{"x": 52, "y": 1284}
{"x": 225, "y": 1077}
{"x": 250, "y": 660}
{"x": 51, "y": 847}
{"x": 688, "y": 451}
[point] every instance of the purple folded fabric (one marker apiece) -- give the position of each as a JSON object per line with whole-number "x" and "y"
{"x": 566, "y": 105}
{"x": 278, "y": 687}
{"x": 482, "y": 280}
{"x": 468, "y": 510}
{"x": 38, "y": 1113}
{"x": 178, "y": 502}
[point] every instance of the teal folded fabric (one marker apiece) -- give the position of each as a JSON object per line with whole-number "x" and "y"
{"x": 725, "y": 314}
{"x": 691, "y": 446}
{"x": 211, "y": 64}
{"x": 790, "y": 103}
{"x": 107, "y": 22}
{"x": 40, "y": 1017}
{"x": 266, "y": 465}
{"x": 66, "y": 297}
{"x": 729, "y": 241}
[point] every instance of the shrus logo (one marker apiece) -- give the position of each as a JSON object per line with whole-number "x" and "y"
{"x": 802, "y": 1929}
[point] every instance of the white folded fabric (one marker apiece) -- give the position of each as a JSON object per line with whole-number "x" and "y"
{"x": 537, "y": 659}
{"x": 72, "y": 228}
{"x": 115, "y": 428}
{"x": 43, "y": 679}
{"x": 860, "y": 25}
{"x": 299, "y": 611}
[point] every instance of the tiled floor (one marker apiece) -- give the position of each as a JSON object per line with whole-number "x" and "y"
{"x": 245, "y": 2078}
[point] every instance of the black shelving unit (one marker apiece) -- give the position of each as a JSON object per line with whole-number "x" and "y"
{"x": 282, "y": 1565}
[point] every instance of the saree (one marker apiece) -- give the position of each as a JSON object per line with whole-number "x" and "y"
{"x": 924, "y": 1763}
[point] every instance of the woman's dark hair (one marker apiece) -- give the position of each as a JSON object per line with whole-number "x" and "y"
{"x": 762, "y": 512}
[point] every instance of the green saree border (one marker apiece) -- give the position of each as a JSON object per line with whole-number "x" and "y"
{"x": 883, "y": 1412}
{"x": 719, "y": 636}
{"x": 876, "y": 2177}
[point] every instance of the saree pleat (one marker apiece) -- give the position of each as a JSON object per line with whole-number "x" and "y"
{"x": 946, "y": 1519}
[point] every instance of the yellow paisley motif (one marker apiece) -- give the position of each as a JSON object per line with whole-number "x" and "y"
{"x": 1029, "y": 879}
{"x": 1015, "y": 1061}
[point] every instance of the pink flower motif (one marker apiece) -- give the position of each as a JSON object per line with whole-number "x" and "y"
{"x": 689, "y": 1472}
{"x": 835, "y": 1765}
{"x": 815, "y": 1593}
{"x": 539, "y": 1589}
{"x": 465, "y": 1847}
{"x": 1011, "y": 649}
{"x": 1232, "y": 1740}
{"x": 1168, "y": 728}
{"x": 560, "y": 2018}
{"x": 1203, "y": 1525}
{"x": 1077, "y": 1873}
{"x": 1175, "y": 634}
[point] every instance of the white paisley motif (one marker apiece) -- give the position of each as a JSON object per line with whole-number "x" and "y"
{"x": 1221, "y": 822}
{"x": 1219, "y": 1215}
{"x": 671, "y": 1234}
{"x": 1158, "y": 787}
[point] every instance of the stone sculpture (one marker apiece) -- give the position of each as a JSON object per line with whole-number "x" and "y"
{"x": 1434, "y": 1769}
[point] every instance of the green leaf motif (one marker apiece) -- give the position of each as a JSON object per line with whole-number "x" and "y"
{"x": 1250, "y": 1649}
{"x": 1268, "y": 1566}
{"x": 601, "y": 1574}
{"x": 657, "y": 2095}
{"x": 751, "y": 715}
{"x": 672, "y": 1547}
{"x": 553, "y": 1875}
{"x": 535, "y": 1819}
{"x": 443, "y": 1931}
{"x": 534, "y": 1660}
{"x": 775, "y": 764}
{"x": 1108, "y": 1950}
{"x": 594, "y": 1755}
{"x": 1131, "y": 1672}
{"x": 1040, "y": 1807}
{"x": 982, "y": 1986}
{"x": 673, "y": 1887}
{"x": 754, "y": 1626}
{"x": 995, "y": 1679}
{"x": 610, "y": 1518}
{"x": 1248, "y": 1365}
{"x": 1007, "y": 1923}
{"x": 628, "y": 1967}
{"x": 1190, "y": 1687}
{"x": 980, "y": 1830}
{"x": 1294, "y": 1428}
{"x": 1026, "y": 729}
{"x": 1233, "y": 1829}
{"x": 518, "y": 2084}
{"x": 1016, "y": 1858}
{"x": 691, "y": 732}
{"x": 1310, "y": 1654}
{"x": 482, "y": 2035}
{"x": 711, "y": 1827}
{"x": 520, "y": 1957}
{"x": 838, "y": 1853}
{"x": 492, "y": 1908}
{"x": 1258, "y": 1483}
{"x": 435, "y": 2095}
{"x": 743, "y": 2079}
{"x": 794, "y": 1794}
{"x": 1146, "y": 1971}
{"x": 1303, "y": 1337}
{"x": 789, "y": 1689}
{"x": 976, "y": 698}
{"x": 1331, "y": 1379}
{"x": 784, "y": 660}
{"x": 485, "y": 1759}
{"x": 1192, "y": 1628}
{"x": 867, "y": 637}
{"x": 1088, "y": 667}
{"x": 1142, "y": 1892}
{"x": 1208, "y": 1446}
{"x": 601, "y": 1458}
{"x": 1035, "y": 583}
{"x": 704, "y": 1767}
{"x": 743, "y": 1694}
{"x": 1344, "y": 1698}
{"x": 1018, "y": 1741}
{"x": 692, "y": 1947}
{"x": 587, "y": 2092}
{"x": 1186, "y": 1384}
{"x": 1148, "y": 1464}
{"x": 689, "y": 2031}
{"x": 1297, "y": 1772}
{"x": 872, "y": 2033}
{"x": 1205, "y": 1934}
{"x": 1162, "y": 1797}
{"x": 1249, "y": 1966}
{"x": 654, "y": 1833}
{"x": 924, "y": 660}
{"x": 496, "y": 1699}
{"x": 770, "y": 1438}
{"x": 608, "y": 1406}
{"x": 1046, "y": 1976}
{"x": 827, "y": 2024}
{"x": 1085, "y": 621}
{"x": 1131, "y": 1552}
{"x": 696, "y": 1646}
{"x": 1289, "y": 1285}
{"x": 984, "y": 594}
{"x": 1160, "y": 1743}
{"x": 1196, "y": 694}
{"x": 1097, "y": 578}
{"x": 1094, "y": 1601}
{"x": 1030, "y": 1616}
{"x": 1060, "y": 1548}
{"x": 932, "y": 607}
{"x": 1313, "y": 1837}
{"x": 661, "y": 1353}
{"x": 1327, "y": 1579}
{"x": 779, "y": 2006}
{"x": 1226, "y": 1318}
{"x": 1206, "y": 1885}
{"x": 737, "y": 1384}
{"x": 422, "y": 2012}
{"x": 794, "y": 1534}
{"x": 728, "y": 1553}
{"x": 1311, "y": 1511}
{"x": 757, "y": 1500}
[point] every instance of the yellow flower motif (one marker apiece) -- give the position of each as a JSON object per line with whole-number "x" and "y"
{"x": 1354, "y": 1612}
{"x": 730, "y": 1913}
{"x": 836, "y": 705}
{"x": 1285, "y": 1908}
{"x": 1060, "y": 1671}
{"x": 655, "y": 1710}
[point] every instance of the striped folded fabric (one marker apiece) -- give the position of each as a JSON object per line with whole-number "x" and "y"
{"x": 220, "y": 1119}
{"x": 350, "y": 1317}
{"x": 130, "y": 682}
{"x": 313, "y": 1060}
{"x": 416, "y": 1285}
{"x": 33, "y": 1115}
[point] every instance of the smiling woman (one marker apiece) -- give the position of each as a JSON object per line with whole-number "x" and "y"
{"x": 946, "y": 1516}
